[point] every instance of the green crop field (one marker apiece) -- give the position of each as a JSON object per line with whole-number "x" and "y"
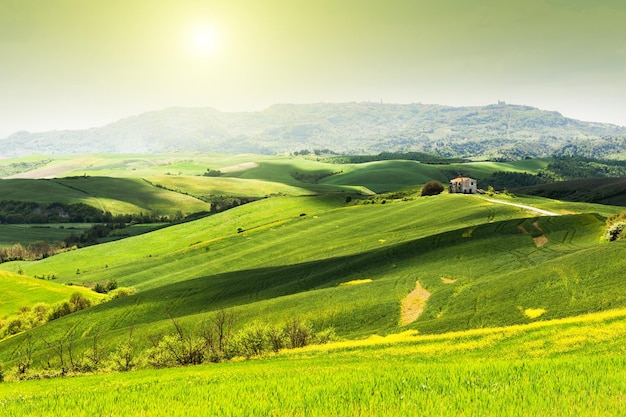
{"x": 115, "y": 195}
{"x": 572, "y": 367}
{"x": 441, "y": 305}
{"x": 207, "y": 186}
{"x": 293, "y": 253}
{"x": 23, "y": 291}
{"x": 24, "y": 234}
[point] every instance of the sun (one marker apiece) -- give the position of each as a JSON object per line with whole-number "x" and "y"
{"x": 203, "y": 40}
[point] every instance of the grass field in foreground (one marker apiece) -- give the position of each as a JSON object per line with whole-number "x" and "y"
{"x": 569, "y": 367}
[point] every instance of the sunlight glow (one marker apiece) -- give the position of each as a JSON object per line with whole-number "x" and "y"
{"x": 203, "y": 40}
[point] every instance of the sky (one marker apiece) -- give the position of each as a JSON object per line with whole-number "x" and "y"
{"x": 69, "y": 64}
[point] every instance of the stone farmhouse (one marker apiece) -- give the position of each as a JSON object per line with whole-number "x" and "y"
{"x": 463, "y": 185}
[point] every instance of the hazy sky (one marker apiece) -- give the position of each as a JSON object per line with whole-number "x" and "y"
{"x": 82, "y": 63}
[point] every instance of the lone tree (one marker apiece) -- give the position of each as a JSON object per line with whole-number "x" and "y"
{"x": 432, "y": 188}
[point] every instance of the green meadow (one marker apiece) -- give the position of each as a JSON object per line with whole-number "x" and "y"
{"x": 24, "y": 234}
{"x": 571, "y": 367}
{"x": 440, "y": 305}
{"x": 293, "y": 254}
{"x": 25, "y": 291}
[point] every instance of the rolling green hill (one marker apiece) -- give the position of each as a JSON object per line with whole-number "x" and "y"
{"x": 485, "y": 264}
{"x": 114, "y": 195}
{"x": 424, "y": 282}
{"x": 244, "y": 175}
{"x": 602, "y": 190}
{"x": 23, "y": 291}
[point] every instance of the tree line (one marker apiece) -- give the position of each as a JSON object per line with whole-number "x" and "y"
{"x": 422, "y": 157}
{"x": 27, "y": 212}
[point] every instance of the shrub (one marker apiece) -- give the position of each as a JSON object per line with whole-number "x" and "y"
{"x": 110, "y": 285}
{"x": 432, "y": 188}
{"x": 120, "y": 293}
{"x": 299, "y": 333}
{"x": 179, "y": 349}
{"x": 13, "y": 326}
{"x": 123, "y": 358}
{"x": 325, "y": 336}
{"x": 217, "y": 336}
{"x": 59, "y": 310}
{"x": 99, "y": 288}
{"x": 40, "y": 311}
{"x": 276, "y": 338}
{"x": 615, "y": 231}
{"x": 159, "y": 357}
{"x": 251, "y": 341}
{"x": 79, "y": 302}
{"x": 23, "y": 355}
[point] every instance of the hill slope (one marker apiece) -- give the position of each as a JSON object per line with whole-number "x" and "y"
{"x": 23, "y": 291}
{"x": 114, "y": 195}
{"x": 591, "y": 190}
{"x": 484, "y": 264}
{"x": 489, "y": 131}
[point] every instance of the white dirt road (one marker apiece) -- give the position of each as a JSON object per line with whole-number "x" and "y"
{"x": 525, "y": 207}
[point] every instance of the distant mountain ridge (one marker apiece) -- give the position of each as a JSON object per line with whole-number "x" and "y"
{"x": 500, "y": 131}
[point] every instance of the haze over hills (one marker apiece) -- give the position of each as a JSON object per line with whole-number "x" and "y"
{"x": 494, "y": 131}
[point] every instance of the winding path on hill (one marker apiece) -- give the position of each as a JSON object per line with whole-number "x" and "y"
{"x": 531, "y": 208}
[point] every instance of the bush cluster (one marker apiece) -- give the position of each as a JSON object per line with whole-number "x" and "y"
{"x": 213, "y": 341}
{"x": 216, "y": 342}
{"x": 32, "y": 252}
{"x": 26, "y": 318}
{"x": 105, "y": 288}
{"x": 616, "y": 227}
{"x": 432, "y": 188}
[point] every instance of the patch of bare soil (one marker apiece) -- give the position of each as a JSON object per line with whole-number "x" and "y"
{"x": 448, "y": 280}
{"x": 239, "y": 167}
{"x": 413, "y": 304}
{"x": 540, "y": 240}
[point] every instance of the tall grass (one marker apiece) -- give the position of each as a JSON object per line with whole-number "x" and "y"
{"x": 469, "y": 373}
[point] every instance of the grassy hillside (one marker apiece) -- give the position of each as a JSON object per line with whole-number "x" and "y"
{"x": 485, "y": 264}
{"x": 386, "y": 176}
{"x": 596, "y": 190}
{"x": 276, "y": 172}
{"x": 115, "y": 195}
{"x": 128, "y": 165}
{"x": 205, "y": 187}
{"x": 19, "y": 291}
{"x": 571, "y": 367}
